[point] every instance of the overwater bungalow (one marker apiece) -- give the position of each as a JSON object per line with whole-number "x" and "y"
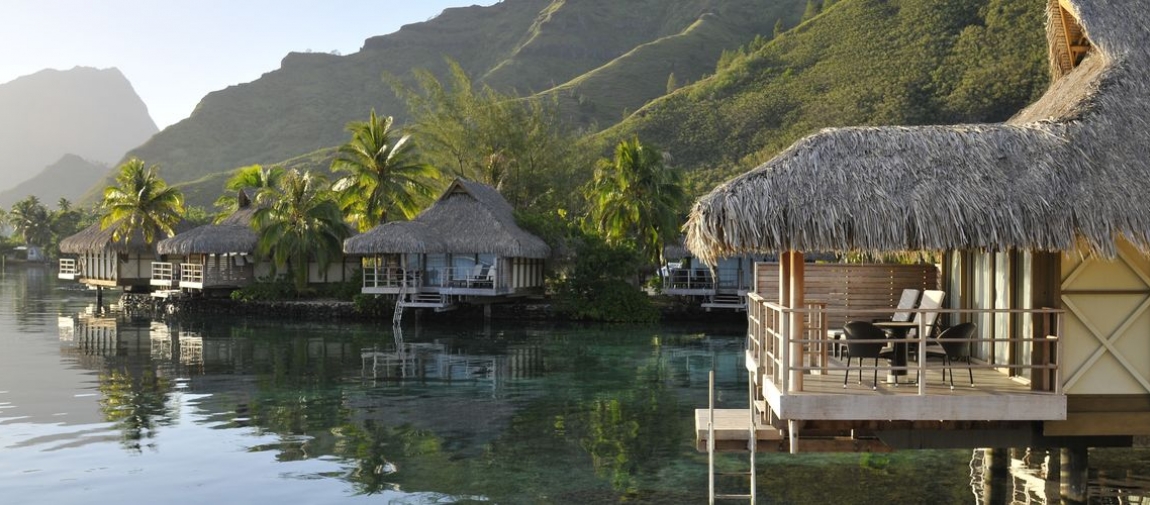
{"x": 1043, "y": 230}
{"x": 222, "y": 257}
{"x": 94, "y": 259}
{"x": 466, "y": 247}
{"x": 724, "y": 287}
{"x": 217, "y": 256}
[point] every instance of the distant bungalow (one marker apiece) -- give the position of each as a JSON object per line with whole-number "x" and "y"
{"x": 214, "y": 256}
{"x": 222, "y": 257}
{"x": 466, "y": 247}
{"x": 724, "y": 287}
{"x": 1044, "y": 226}
{"x": 94, "y": 259}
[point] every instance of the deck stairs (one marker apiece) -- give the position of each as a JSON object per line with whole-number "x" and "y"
{"x": 732, "y": 301}
{"x": 749, "y": 475}
{"x": 439, "y": 302}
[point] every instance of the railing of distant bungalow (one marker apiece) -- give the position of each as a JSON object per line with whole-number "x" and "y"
{"x": 192, "y": 273}
{"x": 784, "y": 359}
{"x": 390, "y": 277}
{"x": 382, "y": 277}
{"x": 68, "y": 267}
{"x": 486, "y": 278}
{"x": 163, "y": 271}
{"x": 688, "y": 278}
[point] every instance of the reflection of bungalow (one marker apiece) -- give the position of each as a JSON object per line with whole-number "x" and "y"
{"x": 215, "y": 256}
{"x": 94, "y": 259}
{"x": 465, "y": 247}
{"x": 1048, "y": 209}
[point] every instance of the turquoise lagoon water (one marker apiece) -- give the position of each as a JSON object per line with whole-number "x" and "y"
{"x": 96, "y": 407}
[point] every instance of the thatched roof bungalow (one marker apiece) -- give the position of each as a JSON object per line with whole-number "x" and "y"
{"x": 1067, "y": 173}
{"x": 466, "y": 244}
{"x": 95, "y": 259}
{"x": 1048, "y": 209}
{"x": 212, "y": 256}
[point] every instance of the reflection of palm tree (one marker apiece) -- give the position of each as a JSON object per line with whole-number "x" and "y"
{"x": 141, "y": 202}
{"x": 136, "y": 403}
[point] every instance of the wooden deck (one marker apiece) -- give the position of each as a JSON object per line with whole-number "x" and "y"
{"x": 994, "y": 397}
{"x": 732, "y": 430}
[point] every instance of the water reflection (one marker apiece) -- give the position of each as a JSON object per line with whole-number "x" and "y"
{"x": 1026, "y": 476}
{"x": 550, "y": 414}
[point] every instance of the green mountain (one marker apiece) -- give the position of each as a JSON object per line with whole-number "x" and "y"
{"x": 602, "y": 57}
{"x": 861, "y": 62}
{"x": 91, "y": 113}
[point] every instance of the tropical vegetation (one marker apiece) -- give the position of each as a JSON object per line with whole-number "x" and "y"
{"x": 141, "y": 203}
{"x": 297, "y": 221}
{"x": 255, "y": 178}
{"x": 381, "y": 176}
{"x": 636, "y": 197}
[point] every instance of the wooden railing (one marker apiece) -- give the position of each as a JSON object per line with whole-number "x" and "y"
{"x": 69, "y": 268}
{"x": 776, "y": 352}
{"x": 386, "y": 277}
{"x": 164, "y": 271}
{"x": 688, "y": 278}
{"x": 192, "y": 273}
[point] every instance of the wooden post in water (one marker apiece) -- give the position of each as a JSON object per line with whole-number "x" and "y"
{"x": 995, "y": 476}
{"x": 99, "y": 296}
{"x": 1073, "y": 478}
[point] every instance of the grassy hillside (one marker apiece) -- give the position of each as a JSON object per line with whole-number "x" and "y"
{"x": 862, "y": 62}
{"x": 528, "y": 45}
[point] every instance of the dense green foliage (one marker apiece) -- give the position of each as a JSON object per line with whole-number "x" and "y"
{"x": 864, "y": 62}
{"x": 516, "y": 145}
{"x": 381, "y": 177}
{"x": 636, "y": 199}
{"x": 299, "y": 221}
{"x": 592, "y": 286}
{"x": 252, "y": 177}
{"x": 141, "y": 202}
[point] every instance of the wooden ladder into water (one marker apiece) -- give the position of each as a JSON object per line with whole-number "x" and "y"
{"x": 751, "y": 442}
{"x": 397, "y": 316}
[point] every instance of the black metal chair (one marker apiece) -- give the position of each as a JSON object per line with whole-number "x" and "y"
{"x": 954, "y": 343}
{"x": 857, "y": 334}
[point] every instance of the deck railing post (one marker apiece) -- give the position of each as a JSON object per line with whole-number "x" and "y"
{"x": 783, "y": 344}
{"x": 920, "y": 335}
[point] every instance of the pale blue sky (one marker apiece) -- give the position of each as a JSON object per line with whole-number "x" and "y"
{"x": 176, "y": 51}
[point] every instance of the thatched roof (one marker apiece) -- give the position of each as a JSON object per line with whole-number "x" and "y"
{"x": 468, "y": 218}
{"x": 396, "y": 237}
{"x": 232, "y": 235}
{"x": 1070, "y": 170}
{"x": 93, "y": 240}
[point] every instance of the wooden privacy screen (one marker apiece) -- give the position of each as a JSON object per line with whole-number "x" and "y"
{"x": 851, "y": 286}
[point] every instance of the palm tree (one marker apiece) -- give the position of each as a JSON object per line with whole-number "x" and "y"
{"x": 254, "y": 177}
{"x": 31, "y": 221}
{"x": 141, "y": 202}
{"x": 635, "y": 197}
{"x": 297, "y": 220}
{"x": 381, "y": 176}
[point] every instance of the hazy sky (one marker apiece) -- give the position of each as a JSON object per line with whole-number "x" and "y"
{"x": 176, "y": 51}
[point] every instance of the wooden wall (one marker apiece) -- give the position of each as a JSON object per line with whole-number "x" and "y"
{"x": 851, "y": 286}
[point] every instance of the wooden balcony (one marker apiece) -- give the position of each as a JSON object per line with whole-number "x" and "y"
{"x": 792, "y": 360}
{"x": 69, "y": 269}
{"x": 165, "y": 275}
